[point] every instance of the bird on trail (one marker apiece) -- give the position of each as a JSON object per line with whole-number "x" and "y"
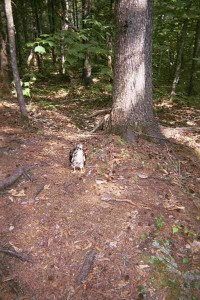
{"x": 77, "y": 157}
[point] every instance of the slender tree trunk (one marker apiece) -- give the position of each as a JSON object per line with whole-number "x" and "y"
{"x": 195, "y": 62}
{"x": 4, "y": 65}
{"x": 38, "y": 31}
{"x": 76, "y": 9}
{"x": 24, "y": 21}
{"x": 179, "y": 59}
{"x": 64, "y": 26}
{"x": 132, "y": 111}
{"x": 51, "y": 15}
{"x": 74, "y": 13}
{"x": 87, "y": 67}
{"x": 18, "y": 39}
{"x": 11, "y": 35}
{"x": 37, "y": 18}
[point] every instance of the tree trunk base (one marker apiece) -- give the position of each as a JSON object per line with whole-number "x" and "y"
{"x": 131, "y": 134}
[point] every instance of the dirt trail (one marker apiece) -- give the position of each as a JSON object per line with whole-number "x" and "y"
{"x": 56, "y": 217}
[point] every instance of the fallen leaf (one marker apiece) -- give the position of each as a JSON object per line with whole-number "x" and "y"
{"x": 143, "y": 266}
{"x": 143, "y": 176}
{"x": 88, "y": 246}
{"x": 47, "y": 187}
{"x": 99, "y": 181}
{"x": 17, "y": 194}
{"x": 122, "y": 283}
{"x": 195, "y": 246}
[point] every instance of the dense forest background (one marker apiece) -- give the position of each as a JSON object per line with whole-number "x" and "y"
{"x": 75, "y": 39}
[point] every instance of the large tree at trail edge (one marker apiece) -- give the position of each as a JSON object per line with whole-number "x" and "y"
{"x": 132, "y": 111}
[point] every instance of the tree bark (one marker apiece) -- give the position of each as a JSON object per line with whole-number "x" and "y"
{"x": 75, "y": 14}
{"x": 87, "y": 67}
{"x": 11, "y": 36}
{"x": 132, "y": 110}
{"x": 179, "y": 59}
{"x": 51, "y": 15}
{"x": 64, "y": 26}
{"x": 24, "y": 21}
{"x": 196, "y": 56}
{"x": 4, "y": 65}
{"x": 18, "y": 35}
{"x": 37, "y": 18}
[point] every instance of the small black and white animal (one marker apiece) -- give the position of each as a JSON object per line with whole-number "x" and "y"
{"x": 77, "y": 158}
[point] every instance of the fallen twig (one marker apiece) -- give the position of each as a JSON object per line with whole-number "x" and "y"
{"x": 15, "y": 254}
{"x": 5, "y": 183}
{"x": 87, "y": 266}
{"x": 40, "y": 189}
{"x": 117, "y": 200}
{"x": 99, "y": 112}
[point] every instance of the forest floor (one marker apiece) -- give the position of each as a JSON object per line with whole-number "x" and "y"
{"x": 127, "y": 228}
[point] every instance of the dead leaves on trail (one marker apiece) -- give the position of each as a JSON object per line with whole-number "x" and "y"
{"x": 94, "y": 235}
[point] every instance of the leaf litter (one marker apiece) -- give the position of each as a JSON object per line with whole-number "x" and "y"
{"x": 93, "y": 235}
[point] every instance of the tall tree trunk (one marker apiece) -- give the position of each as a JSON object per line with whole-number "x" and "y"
{"x": 4, "y": 65}
{"x": 51, "y": 15}
{"x": 132, "y": 110}
{"x": 179, "y": 59}
{"x": 87, "y": 68}
{"x": 18, "y": 35}
{"x": 75, "y": 13}
{"x": 38, "y": 31}
{"x": 24, "y": 21}
{"x": 11, "y": 35}
{"x": 37, "y": 18}
{"x": 77, "y": 18}
{"x": 195, "y": 62}
{"x": 64, "y": 26}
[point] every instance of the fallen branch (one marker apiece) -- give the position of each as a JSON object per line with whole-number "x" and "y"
{"x": 5, "y": 183}
{"x": 87, "y": 266}
{"x": 15, "y": 254}
{"x": 117, "y": 200}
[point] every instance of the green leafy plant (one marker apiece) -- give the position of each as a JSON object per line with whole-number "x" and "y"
{"x": 160, "y": 223}
{"x": 26, "y": 84}
{"x": 143, "y": 236}
{"x": 176, "y": 229}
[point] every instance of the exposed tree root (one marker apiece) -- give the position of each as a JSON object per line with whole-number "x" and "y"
{"x": 99, "y": 112}
{"x": 102, "y": 124}
{"x": 105, "y": 123}
{"x": 15, "y": 254}
{"x": 5, "y": 183}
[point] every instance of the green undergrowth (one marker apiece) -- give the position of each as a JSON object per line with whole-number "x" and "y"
{"x": 166, "y": 274}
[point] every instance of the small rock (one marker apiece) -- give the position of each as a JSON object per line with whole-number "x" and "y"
{"x": 11, "y": 228}
{"x": 24, "y": 203}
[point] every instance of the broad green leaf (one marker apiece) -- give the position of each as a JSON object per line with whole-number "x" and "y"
{"x": 175, "y": 230}
{"x": 26, "y": 92}
{"x": 40, "y": 49}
